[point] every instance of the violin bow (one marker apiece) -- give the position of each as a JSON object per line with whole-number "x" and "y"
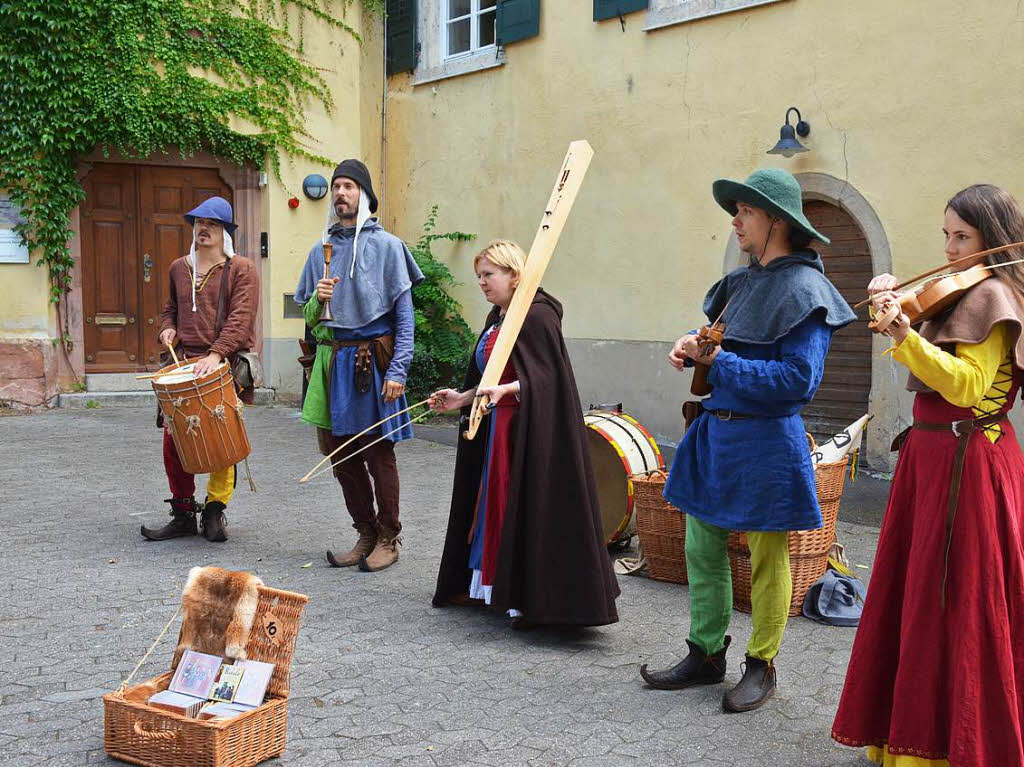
{"x": 974, "y": 256}
{"x": 352, "y": 439}
{"x": 417, "y": 419}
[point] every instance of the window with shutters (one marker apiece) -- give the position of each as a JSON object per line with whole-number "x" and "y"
{"x": 467, "y": 26}
{"x": 663, "y": 13}
{"x": 457, "y": 37}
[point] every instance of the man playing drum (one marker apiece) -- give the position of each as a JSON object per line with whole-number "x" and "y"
{"x": 364, "y": 350}
{"x": 210, "y": 314}
{"x": 744, "y": 463}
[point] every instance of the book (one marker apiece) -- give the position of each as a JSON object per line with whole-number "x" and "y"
{"x": 223, "y": 710}
{"x": 196, "y": 674}
{"x": 177, "y": 703}
{"x": 255, "y": 681}
{"x": 225, "y": 687}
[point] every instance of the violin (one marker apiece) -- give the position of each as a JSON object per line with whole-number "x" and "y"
{"x": 708, "y": 337}
{"x": 930, "y": 299}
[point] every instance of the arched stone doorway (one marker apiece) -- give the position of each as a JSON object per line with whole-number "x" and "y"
{"x": 845, "y": 390}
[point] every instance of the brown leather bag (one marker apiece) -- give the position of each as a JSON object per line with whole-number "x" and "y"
{"x": 384, "y": 352}
{"x": 691, "y": 412}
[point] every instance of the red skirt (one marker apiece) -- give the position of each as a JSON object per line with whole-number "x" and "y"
{"x": 934, "y": 682}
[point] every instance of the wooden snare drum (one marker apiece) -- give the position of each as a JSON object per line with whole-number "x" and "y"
{"x": 204, "y": 416}
{"x": 619, "y": 448}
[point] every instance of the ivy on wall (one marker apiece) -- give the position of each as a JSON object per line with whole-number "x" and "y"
{"x": 443, "y": 340}
{"x": 138, "y": 76}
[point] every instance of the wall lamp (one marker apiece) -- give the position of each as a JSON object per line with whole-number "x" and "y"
{"x": 314, "y": 186}
{"x": 788, "y": 144}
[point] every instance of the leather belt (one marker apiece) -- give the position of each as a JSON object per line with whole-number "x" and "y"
{"x": 731, "y": 415}
{"x": 962, "y": 430}
{"x": 368, "y": 350}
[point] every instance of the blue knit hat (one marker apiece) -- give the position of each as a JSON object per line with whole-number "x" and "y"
{"x": 216, "y": 208}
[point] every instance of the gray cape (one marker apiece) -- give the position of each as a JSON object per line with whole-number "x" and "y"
{"x": 385, "y": 269}
{"x": 794, "y": 286}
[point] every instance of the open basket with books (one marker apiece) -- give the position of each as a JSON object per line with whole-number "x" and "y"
{"x": 208, "y": 712}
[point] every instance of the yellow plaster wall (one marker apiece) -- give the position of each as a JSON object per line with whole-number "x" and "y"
{"x": 25, "y": 311}
{"x": 352, "y": 129}
{"x": 908, "y": 101}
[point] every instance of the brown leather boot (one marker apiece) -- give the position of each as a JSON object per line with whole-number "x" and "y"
{"x": 367, "y": 540}
{"x": 756, "y": 686}
{"x": 182, "y": 524}
{"x": 696, "y": 668}
{"x": 384, "y": 554}
{"x": 214, "y": 522}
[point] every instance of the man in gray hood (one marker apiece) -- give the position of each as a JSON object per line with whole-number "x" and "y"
{"x": 364, "y": 350}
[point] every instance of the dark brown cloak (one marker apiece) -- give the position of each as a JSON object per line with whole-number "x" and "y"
{"x": 552, "y": 561}
{"x": 971, "y": 319}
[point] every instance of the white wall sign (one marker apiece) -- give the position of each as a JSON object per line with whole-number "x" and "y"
{"x": 11, "y": 249}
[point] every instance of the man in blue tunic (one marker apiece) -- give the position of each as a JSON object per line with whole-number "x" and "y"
{"x": 744, "y": 464}
{"x": 363, "y": 356}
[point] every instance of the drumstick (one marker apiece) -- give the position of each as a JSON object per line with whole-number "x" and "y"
{"x": 334, "y": 452}
{"x": 173, "y": 355}
{"x": 417, "y": 419}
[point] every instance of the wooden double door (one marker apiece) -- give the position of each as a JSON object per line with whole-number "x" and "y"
{"x": 132, "y": 230}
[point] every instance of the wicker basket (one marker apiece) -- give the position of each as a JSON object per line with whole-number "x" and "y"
{"x": 661, "y": 527}
{"x": 808, "y": 549}
{"x": 140, "y": 734}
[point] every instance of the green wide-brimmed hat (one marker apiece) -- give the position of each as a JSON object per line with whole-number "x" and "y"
{"x": 772, "y": 190}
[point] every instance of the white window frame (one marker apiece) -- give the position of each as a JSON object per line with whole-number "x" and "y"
{"x": 475, "y": 12}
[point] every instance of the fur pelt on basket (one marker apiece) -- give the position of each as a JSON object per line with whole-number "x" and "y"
{"x": 218, "y": 608}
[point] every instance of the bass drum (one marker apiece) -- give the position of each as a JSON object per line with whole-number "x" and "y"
{"x": 619, "y": 448}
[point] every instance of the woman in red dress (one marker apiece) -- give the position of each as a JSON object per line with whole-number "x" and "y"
{"x": 936, "y": 677}
{"x": 524, "y": 531}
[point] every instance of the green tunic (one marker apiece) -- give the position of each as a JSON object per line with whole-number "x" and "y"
{"x": 315, "y": 408}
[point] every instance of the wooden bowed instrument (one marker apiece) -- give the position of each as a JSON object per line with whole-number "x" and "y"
{"x": 708, "y": 337}
{"x": 935, "y": 296}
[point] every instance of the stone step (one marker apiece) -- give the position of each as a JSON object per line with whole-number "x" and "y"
{"x": 114, "y": 382}
{"x": 100, "y": 399}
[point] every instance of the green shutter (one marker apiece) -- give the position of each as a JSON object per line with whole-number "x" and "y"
{"x": 517, "y": 20}
{"x": 400, "y": 36}
{"x": 610, "y": 9}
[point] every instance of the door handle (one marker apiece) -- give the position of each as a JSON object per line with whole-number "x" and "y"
{"x": 147, "y": 266}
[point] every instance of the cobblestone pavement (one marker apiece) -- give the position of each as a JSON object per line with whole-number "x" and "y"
{"x": 380, "y": 677}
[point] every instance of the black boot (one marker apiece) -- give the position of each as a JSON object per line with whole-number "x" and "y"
{"x": 183, "y": 521}
{"x": 756, "y": 686}
{"x": 214, "y": 522}
{"x": 695, "y": 668}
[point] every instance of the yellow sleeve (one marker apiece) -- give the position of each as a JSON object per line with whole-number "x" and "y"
{"x": 962, "y": 379}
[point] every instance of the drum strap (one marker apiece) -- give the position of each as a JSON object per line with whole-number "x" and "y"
{"x": 222, "y": 296}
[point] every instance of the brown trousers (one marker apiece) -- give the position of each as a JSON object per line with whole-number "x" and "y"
{"x": 354, "y": 477}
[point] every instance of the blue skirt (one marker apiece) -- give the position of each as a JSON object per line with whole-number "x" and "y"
{"x": 352, "y": 411}
{"x": 753, "y": 475}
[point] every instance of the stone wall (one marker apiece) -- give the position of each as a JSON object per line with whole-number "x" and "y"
{"x": 28, "y": 373}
